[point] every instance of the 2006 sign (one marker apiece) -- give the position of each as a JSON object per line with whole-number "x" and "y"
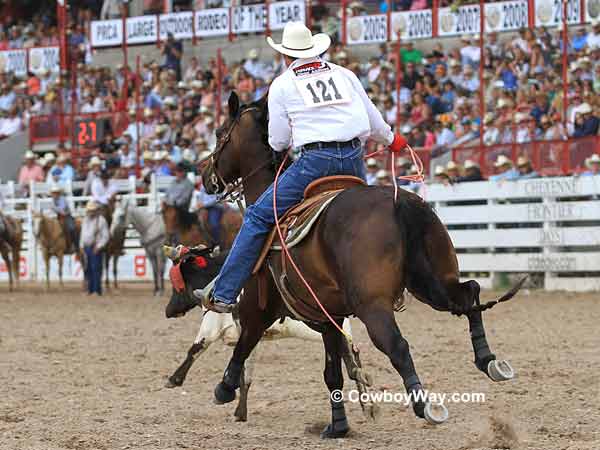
{"x": 375, "y": 29}
{"x": 420, "y": 24}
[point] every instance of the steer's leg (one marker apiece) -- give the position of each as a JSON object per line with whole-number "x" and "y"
{"x": 334, "y": 347}
{"x": 386, "y": 336}
{"x": 211, "y": 329}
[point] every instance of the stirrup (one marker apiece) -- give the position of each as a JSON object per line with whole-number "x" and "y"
{"x": 206, "y": 299}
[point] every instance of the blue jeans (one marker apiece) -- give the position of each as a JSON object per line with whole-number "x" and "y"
{"x": 259, "y": 218}
{"x": 93, "y": 270}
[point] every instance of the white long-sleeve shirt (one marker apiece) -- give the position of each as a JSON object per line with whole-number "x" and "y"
{"x": 317, "y": 101}
{"x": 94, "y": 232}
{"x": 101, "y": 193}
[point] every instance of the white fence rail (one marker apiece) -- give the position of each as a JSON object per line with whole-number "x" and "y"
{"x": 132, "y": 265}
{"x": 548, "y": 226}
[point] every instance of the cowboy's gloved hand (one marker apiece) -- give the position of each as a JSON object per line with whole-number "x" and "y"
{"x": 398, "y": 144}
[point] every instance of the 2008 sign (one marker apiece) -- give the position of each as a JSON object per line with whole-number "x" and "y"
{"x": 514, "y": 15}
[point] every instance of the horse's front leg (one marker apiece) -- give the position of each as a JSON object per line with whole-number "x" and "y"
{"x": 47, "y": 258}
{"x": 60, "y": 269}
{"x": 253, "y": 327}
{"x": 213, "y": 326}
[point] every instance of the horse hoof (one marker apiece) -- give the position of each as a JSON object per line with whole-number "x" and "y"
{"x": 173, "y": 383}
{"x": 435, "y": 413}
{"x": 240, "y": 416}
{"x": 330, "y": 433}
{"x": 500, "y": 370}
{"x": 224, "y": 394}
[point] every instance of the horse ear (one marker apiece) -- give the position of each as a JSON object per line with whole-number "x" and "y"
{"x": 234, "y": 105}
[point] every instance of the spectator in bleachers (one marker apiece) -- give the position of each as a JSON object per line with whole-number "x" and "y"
{"x": 491, "y": 135}
{"x": 10, "y": 123}
{"x": 505, "y": 170}
{"x": 30, "y": 171}
{"x": 593, "y": 165}
{"x": 108, "y": 146}
{"x": 586, "y": 123}
{"x": 382, "y": 178}
{"x": 62, "y": 172}
{"x": 453, "y": 171}
{"x": 173, "y": 53}
{"x": 440, "y": 176}
{"x": 525, "y": 168}
{"x": 127, "y": 156}
{"x": 371, "y": 172}
{"x": 472, "y": 172}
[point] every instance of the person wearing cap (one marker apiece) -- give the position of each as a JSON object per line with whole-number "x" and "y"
{"x": 525, "y": 168}
{"x": 30, "y": 171}
{"x": 440, "y": 176}
{"x": 453, "y": 171}
{"x": 371, "y": 173}
{"x": 179, "y": 193}
{"x": 254, "y": 67}
{"x": 382, "y": 178}
{"x": 472, "y": 172}
{"x": 522, "y": 135}
{"x": 505, "y": 170}
{"x": 104, "y": 191}
{"x": 162, "y": 163}
{"x": 93, "y": 240}
{"x": 61, "y": 208}
{"x": 593, "y": 165}
{"x": 173, "y": 53}
{"x": 127, "y": 157}
{"x": 326, "y": 124}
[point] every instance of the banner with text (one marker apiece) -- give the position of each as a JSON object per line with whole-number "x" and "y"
{"x": 548, "y": 13}
{"x": 505, "y": 16}
{"x": 203, "y": 23}
{"x": 44, "y": 58}
{"x": 592, "y": 10}
{"x": 412, "y": 24}
{"x": 14, "y": 61}
{"x": 463, "y": 20}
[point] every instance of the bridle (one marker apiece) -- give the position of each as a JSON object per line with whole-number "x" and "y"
{"x": 230, "y": 191}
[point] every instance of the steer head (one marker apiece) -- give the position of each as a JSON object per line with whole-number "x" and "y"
{"x": 193, "y": 268}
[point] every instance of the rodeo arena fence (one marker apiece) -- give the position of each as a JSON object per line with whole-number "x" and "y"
{"x": 546, "y": 226}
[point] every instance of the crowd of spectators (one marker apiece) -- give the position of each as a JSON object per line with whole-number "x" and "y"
{"x": 174, "y": 117}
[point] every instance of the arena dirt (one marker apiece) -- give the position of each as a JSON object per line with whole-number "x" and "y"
{"x": 81, "y": 373}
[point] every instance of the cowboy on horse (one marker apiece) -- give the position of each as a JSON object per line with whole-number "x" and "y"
{"x": 321, "y": 109}
{"x": 63, "y": 212}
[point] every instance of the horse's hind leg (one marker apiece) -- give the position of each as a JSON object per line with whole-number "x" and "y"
{"x": 115, "y": 271}
{"x": 385, "y": 334}
{"x": 334, "y": 348}
{"x": 241, "y": 411}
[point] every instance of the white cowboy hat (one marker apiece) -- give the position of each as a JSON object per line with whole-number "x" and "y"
{"x": 371, "y": 162}
{"x": 29, "y": 154}
{"x": 49, "y": 157}
{"x": 91, "y": 206}
{"x": 55, "y": 188}
{"x": 452, "y": 166}
{"x": 298, "y": 42}
{"x": 470, "y": 164}
{"x": 594, "y": 159}
{"x": 488, "y": 118}
{"x": 584, "y": 108}
{"x": 381, "y": 174}
{"x": 440, "y": 170}
{"x": 503, "y": 161}
{"x": 95, "y": 161}
{"x": 188, "y": 155}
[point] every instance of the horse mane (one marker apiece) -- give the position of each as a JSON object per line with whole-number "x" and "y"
{"x": 261, "y": 116}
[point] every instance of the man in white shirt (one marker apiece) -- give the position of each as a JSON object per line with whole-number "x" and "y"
{"x": 104, "y": 191}
{"x": 593, "y": 38}
{"x": 320, "y": 109}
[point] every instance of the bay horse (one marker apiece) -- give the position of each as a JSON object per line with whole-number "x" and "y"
{"x": 11, "y": 239}
{"x": 191, "y": 230}
{"x": 364, "y": 251}
{"x": 50, "y": 234}
{"x": 114, "y": 248}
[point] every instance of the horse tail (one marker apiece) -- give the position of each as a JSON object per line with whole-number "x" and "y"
{"x": 415, "y": 217}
